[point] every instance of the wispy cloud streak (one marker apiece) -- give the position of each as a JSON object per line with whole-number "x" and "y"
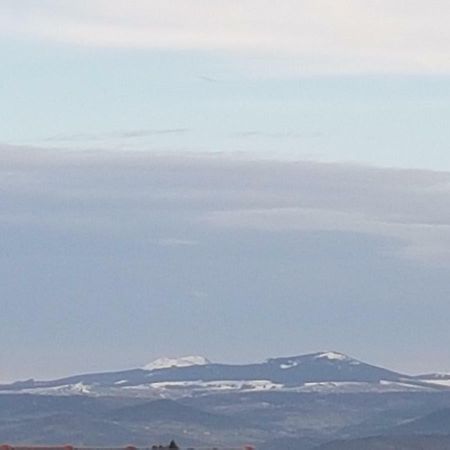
{"x": 118, "y": 135}
{"x": 212, "y": 192}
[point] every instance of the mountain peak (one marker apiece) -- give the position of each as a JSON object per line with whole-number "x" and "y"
{"x": 332, "y": 356}
{"x": 318, "y": 357}
{"x": 183, "y": 361}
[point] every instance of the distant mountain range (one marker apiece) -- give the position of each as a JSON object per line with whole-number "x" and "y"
{"x": 318, "y": 401}
{"x": 323, "y": 372}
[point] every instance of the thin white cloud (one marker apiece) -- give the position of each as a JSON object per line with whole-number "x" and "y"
{"x": 425, "y": 242}
{"x": 116, "y": 136}
{"x": 305, "y": 36}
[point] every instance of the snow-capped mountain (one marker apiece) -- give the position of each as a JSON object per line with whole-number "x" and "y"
{"x": 195, "y": 375}
{"x": 184, "y": 361}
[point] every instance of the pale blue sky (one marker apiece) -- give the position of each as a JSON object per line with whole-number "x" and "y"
{"x": 195, "y": 211}
{"x": 76, "y": 97}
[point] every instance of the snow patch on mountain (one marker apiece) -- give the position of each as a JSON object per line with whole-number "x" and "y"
{"x": 184, "y": 361}
{"x": 66, "y": 389}
{"x": 359, "y": 387}
{"x": 220, "y": 385}
{"x": 289, "y": 365}
{"x": 333, "y": 356}
{"x": 438, "y": 382}
{"x": 435, "y": 376}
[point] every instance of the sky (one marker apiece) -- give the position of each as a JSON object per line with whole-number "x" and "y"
{"x": 240, "y": 179}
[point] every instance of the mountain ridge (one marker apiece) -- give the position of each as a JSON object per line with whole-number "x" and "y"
{"x": 328, "y": 371}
